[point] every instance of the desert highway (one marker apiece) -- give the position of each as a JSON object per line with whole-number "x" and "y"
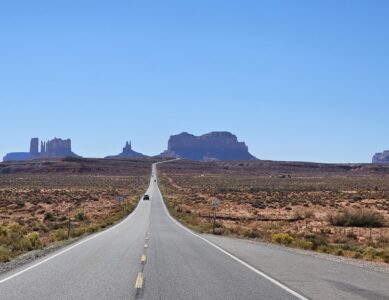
{"x": 149, "y": 255}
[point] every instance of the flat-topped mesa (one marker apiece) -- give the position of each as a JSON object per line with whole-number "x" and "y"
{"x": 52, "y": 148}
{"x": 382, "y": 157}
{"x": 211, "y": 146}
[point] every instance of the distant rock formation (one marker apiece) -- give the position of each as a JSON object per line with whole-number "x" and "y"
{"x": 52, "y": 148}
{"x": 382, "y": 157}
{"x": 127, "y": 153}
{"x": 58, "y": 148}
{"x": 211, "y": 146}
{"x": 34, "y": 147}
{"x": 17, "y": 156}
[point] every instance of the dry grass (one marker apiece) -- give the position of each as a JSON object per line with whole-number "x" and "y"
{"x": 34, "y": 209}
{"x": 357, "y": 218}
{"x": 337, "y": 214}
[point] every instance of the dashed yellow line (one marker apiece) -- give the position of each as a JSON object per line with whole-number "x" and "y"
{"x": 139, "y": 281}
{"x": 143, "y": 259}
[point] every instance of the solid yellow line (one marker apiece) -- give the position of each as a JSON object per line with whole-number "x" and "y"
{"x": 139, "y": 281}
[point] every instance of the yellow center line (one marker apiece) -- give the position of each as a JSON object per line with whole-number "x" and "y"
{"x": 139, "y": 281}
{"x": 143, "y": 259}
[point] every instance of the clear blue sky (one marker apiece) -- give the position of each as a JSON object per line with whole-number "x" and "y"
{"x": 296, "y": 80}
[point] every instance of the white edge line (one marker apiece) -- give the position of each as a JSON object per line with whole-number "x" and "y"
{"x": 274, "y": 281}
{"x": 69, "y": 248}
{"x": 73, "y": 246}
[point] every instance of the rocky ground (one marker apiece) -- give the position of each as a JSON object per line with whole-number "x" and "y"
{"x": 299, "y": 206}
{"x": 35, "y": 208}
{"x": 285, "y": 202}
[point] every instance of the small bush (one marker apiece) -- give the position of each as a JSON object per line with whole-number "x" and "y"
{"x": 58, "y": 235}
{"x": 78, "y": 232}
{"x": 258, "y": 204}
{"x": 93, "y": 228}
{"x": 14, "y": 240}
{"x": 251, "y": 233}
{"x": 219, "y": 225}
{"x": 304, "y": 214}
{"x": 80, "y": 216}
{"x": 15, "y": 232}
{"x": 303, "y": 244}
{"x": 3, "y": 231}
{"x": 323, "y": 249}
{"x": 21, "y": 245}
{"x": 357, "y": 218}
{"x": 385, "y": 256}
{"x": 316, "y": 241}
{"x": 219, "y": 231}
{"x": 48, "y": 216}
{"x": 282, "y": 238}
{"x": 5, "y": 254}
{"x": 33, "y": 237}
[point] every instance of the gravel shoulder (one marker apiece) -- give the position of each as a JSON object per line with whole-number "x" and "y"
{"x": 30, "y": 256}
{"x": 371, "y": 265}
{"x": 316, "y": 275}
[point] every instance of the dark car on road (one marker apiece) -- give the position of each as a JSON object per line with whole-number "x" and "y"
{"x": 146, "y": 197}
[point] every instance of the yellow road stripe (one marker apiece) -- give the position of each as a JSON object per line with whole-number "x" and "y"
{"x": 139, "y": 281}
{"x": 143, "y": 259}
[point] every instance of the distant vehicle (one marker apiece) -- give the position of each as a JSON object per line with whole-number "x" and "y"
{"x": 146, "y": 197}
{"x": 155, "y": 180}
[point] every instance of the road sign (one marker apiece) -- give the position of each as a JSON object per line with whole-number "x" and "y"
{"x": 215, "y": 203}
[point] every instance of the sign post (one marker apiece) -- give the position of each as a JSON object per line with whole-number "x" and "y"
{"x": 69, "y": 227}
{"x": 215, "y": 204}
{"x": 120, "y": 199}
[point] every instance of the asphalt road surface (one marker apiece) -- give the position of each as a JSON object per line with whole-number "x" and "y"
{"x": 149, "y": 255}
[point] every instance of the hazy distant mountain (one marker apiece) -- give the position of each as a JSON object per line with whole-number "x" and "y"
{"x": 210, "y": 146}
{"x": 382, "y": 157}
{"x": 127, "y": 152}
{"x": 52, "y": 148}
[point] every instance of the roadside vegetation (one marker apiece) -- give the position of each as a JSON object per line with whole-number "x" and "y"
{"x": 35, "y": 209}
{"x": 357, "y": 218}
{"x": 339, "y": 215}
